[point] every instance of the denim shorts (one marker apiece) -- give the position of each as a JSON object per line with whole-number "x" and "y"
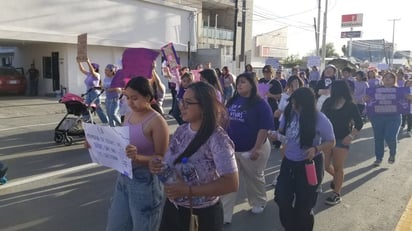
{"x": 339, "y": 144}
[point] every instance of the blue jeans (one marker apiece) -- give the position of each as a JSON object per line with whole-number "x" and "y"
{"x": 112, "y": 109}
{"x": 136, "y": 203}
{"x": 89, "y": 98}
{"x": 385, "y": 129}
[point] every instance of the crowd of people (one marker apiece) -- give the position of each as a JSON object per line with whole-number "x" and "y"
{"x": 228, "y": 126}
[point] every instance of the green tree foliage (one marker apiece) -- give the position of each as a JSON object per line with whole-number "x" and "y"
{"x": 330, "y": 51}
{"x": 291, "y": 61}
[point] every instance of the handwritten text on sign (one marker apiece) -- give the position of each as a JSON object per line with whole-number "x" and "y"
{"x": 107, "y": 147}
{"x": 383, "y": 100}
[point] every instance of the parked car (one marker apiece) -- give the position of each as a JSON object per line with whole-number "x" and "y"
{"x": 12, "y": 80}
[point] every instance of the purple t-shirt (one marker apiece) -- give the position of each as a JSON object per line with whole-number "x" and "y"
{"x": 213, "y": 159}
{"x": 324, "y": 132}
{"x": 91, "y": 81}
{"x": 374, "y": 83}
{"x": 245, "y": 123}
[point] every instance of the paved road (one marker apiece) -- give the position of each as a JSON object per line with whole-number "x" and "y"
{"x": 54, "y": 187}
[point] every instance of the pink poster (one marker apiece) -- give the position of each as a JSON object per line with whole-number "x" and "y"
{"x": 170, "y": 55}
{"x": 196, "y": 75}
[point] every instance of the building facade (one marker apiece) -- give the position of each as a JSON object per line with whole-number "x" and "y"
{"x": 45, "y": 33}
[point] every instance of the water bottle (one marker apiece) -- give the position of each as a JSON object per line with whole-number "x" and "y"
{"x": 281, "y": 138}
{"x": 191, "y": 177}
{"x": 167, "y": 175}
{"x": 311, "y": 176}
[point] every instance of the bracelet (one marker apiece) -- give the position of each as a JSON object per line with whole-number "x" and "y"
{"x": 351, "y": 136}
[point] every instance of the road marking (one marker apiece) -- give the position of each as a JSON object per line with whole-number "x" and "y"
{"x": 25, "y": 126}
{"x": 13, "y": 183}
{"x": 405, "y": 223}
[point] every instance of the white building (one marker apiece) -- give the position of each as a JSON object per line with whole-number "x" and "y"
{"x": 45, "y": 33}
{"x": 269, "y": 45}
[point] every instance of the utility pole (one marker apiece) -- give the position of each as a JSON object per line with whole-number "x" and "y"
{"x": 325, "y": 23}
{"x": 235, "y": 31}
{"x": 318, "y": 29}
{"x": 393, "y": 40}
{"x": 242, "y": 44}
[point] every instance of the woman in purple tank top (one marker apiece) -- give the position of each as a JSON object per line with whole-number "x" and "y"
{"x": 137, "y": 202}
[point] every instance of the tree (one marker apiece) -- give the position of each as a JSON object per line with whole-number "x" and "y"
{"x": 292, "y": 61}
{"x": 330, "y": 51}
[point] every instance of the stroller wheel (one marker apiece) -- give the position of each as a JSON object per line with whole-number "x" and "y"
{"x": 58, "y": 138}
{"x": 68, "y": 141}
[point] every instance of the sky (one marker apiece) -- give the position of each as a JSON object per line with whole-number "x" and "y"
{"x": 298, "y": 15}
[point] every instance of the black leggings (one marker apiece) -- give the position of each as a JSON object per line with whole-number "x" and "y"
{"x": 173, "y": 219}
{"x": 295, "y": 197}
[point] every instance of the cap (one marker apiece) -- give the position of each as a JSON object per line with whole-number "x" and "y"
{"x": 95, "y": 65}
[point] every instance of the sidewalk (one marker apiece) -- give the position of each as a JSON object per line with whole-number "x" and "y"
{"x": 24, "y": 106}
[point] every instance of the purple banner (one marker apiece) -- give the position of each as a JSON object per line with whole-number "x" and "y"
{"x": 384, "y": 100}
{"x": 138, "y": 62}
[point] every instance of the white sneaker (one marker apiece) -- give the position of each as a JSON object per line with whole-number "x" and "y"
{"x": 257, "y": 209}
{"x": 275, "y": 181}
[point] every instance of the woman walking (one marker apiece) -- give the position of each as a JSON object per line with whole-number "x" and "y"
{"x": 341, "y": 111}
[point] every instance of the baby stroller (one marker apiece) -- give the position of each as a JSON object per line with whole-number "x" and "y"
{"x": 77, "y": 112}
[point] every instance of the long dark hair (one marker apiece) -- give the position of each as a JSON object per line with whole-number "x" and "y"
{"x": 339, "y": 90}
{"x": 143, "y": 86}
{"x": 304, "y": 101}
{"x": 214, "y": 114}
{"x": 211, "y": 77}
{"x": 254, "y": 96}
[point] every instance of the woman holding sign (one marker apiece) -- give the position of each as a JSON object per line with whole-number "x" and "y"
{"x": 137, "y": 202}
{"x": 385, "y": 125}
{"x": 92, "y": 83}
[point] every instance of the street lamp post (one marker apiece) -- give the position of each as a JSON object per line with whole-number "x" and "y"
{"x": 393, "y": 41}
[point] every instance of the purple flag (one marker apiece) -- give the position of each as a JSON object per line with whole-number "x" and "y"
{"x": 263, "y": 89}
{"x": 136, "y": 62}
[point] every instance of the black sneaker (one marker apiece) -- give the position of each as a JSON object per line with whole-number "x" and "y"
{"x": 333, "y": 200}
{"x": 391, "y": 159}
{"x": 377, "y": 163}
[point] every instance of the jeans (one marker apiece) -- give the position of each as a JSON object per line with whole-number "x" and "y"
{"x": 385, "y": 129}
{"x": 210, "y": 218}
{"x": 89, "y": 99}
{"x": 34, "y": 87}
{"x": 295, "y": 197}
{"x": 176, "y": 113}
{"x": 136, "y": 203}
{"x": 112, "y": 109}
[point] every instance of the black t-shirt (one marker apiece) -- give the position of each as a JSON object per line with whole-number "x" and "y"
{"x": 33, "y": 73}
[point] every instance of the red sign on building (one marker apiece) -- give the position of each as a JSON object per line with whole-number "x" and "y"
{"x": 352, "y": 20}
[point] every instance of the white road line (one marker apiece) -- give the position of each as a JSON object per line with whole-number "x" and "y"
{"x": 26, "y": 126}
{"x": 14, "y": 183}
